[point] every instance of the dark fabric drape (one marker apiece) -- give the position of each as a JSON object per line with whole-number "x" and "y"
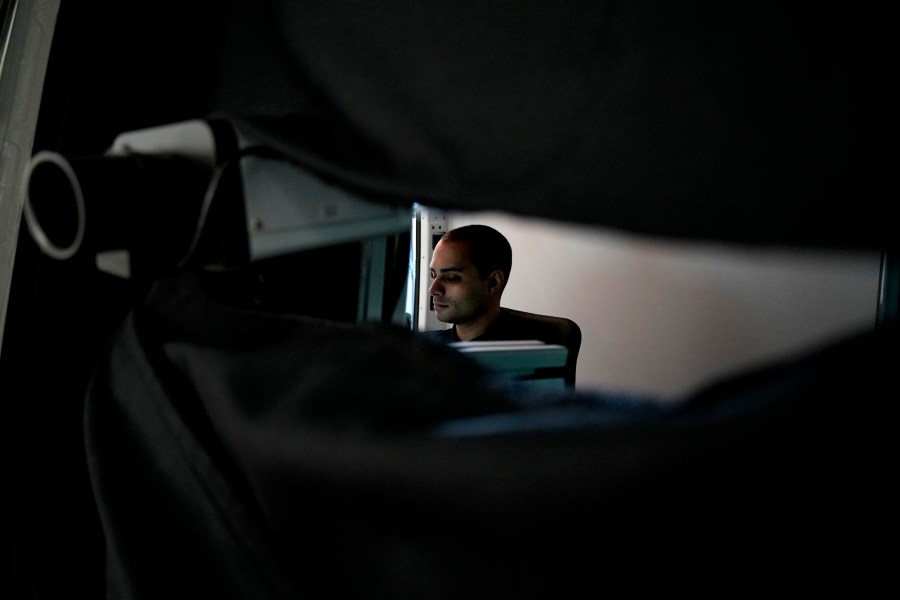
{"x": 764, "y": 123}
{"x": 246, "y": 454}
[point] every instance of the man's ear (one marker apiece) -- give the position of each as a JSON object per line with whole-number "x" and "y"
{"x": 496, "y": 282}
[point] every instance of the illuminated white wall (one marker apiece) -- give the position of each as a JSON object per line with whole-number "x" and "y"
{"x": 664, "y": 318}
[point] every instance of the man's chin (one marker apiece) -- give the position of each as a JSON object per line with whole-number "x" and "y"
{"x": 443, "y": 315}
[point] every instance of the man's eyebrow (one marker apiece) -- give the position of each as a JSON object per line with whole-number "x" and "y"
{"x": 450, "y": 270}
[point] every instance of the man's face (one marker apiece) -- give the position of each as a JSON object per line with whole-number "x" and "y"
{"x": 459, "y": 294}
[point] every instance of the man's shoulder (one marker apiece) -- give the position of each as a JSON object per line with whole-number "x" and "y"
{"x": 509, "y": 326}
{"x": 515, "y": 325}
{"x": 511, "y": 317}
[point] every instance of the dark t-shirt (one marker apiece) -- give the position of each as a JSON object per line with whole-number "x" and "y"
{"x": 507, "y": 326}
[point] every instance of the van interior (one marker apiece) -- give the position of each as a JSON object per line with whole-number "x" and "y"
{"x": 215, "y": 226}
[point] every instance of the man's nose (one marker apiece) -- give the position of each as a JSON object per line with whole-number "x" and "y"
{"x": 434, "y": 289}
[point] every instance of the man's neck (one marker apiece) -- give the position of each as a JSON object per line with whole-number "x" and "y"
{"x": 474, "y": 329}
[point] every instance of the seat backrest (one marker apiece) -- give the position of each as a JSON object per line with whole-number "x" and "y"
{"x": 556, "y": 330}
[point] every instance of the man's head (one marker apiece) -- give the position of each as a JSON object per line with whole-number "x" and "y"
{"x": 470, "y": 268}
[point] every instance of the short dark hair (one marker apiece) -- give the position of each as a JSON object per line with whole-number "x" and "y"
{"x": 488, "y": 248}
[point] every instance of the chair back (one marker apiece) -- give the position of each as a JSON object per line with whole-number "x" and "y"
{"x": 555, "y": 330}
